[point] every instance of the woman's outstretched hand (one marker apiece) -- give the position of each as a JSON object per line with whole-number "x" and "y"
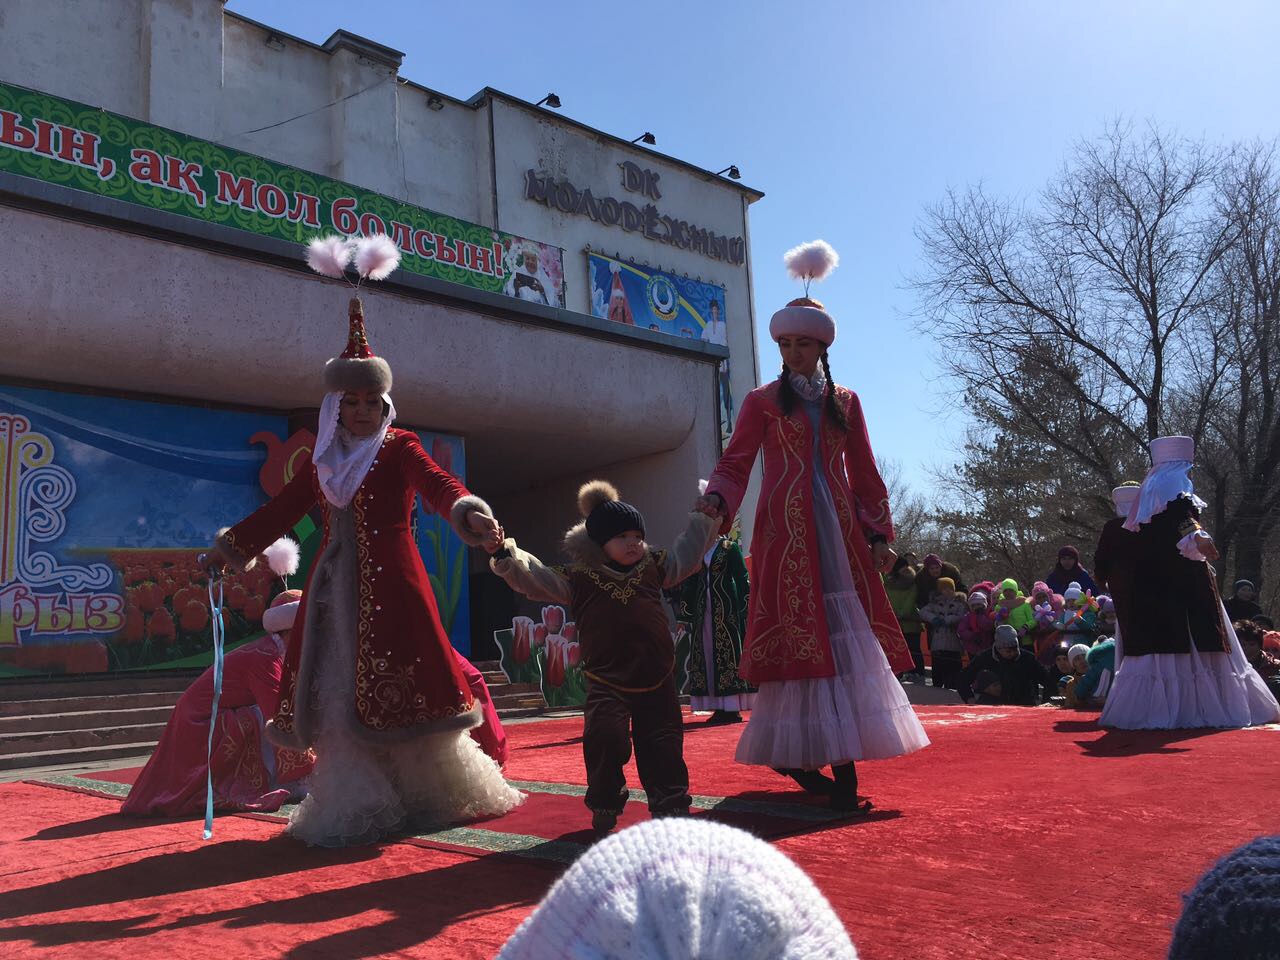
{"x": 481, "y": 524}
{"x": 883, "y": 556}
{"x": 215, "y": 560}
{"x": 712, "y": 505}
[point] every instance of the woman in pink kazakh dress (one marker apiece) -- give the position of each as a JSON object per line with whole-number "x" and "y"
{"x": 249, "y": 774}
{"x": 823, "y": 644}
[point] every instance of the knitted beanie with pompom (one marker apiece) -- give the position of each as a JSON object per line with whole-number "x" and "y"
{"x": 679, "y": 889}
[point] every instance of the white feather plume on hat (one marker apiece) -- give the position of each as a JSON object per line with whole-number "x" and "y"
{"x": 376, "y": 256}
{"x": 811, "y": 261}
{"x": 329, "y": 256}
{"x": 282, "y": 557}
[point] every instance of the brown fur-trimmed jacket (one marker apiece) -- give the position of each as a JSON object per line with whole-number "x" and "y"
{"x": 623, "y": 629}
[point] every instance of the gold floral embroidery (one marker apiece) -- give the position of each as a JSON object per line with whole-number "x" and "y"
{"x": 794, "y": 636}
{"x": 387, "y": 695}
{"x": 622, "y": 590}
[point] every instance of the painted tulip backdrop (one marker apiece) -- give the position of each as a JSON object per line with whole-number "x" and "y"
{"x": 108, "y": 502}
{"x": 547, "y": 652}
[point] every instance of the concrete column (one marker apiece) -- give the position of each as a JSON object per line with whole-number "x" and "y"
{"x": 181, "y": 53}
{"x": 364, "y": 147}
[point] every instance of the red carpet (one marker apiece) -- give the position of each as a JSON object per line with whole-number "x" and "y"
{"x": 1020, "y": 833}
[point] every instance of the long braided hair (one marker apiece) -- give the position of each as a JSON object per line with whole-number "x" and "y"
{"x": 787, "y": 395}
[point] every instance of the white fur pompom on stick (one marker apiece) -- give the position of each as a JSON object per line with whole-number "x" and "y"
{"x": 329, "y": 256}
{"x": 282, "y": 557}
{"x": 376, "y": 256}
{"x": 811, "y": 261}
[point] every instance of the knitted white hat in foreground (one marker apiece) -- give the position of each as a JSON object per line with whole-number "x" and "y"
{"x": 679, "y": 889}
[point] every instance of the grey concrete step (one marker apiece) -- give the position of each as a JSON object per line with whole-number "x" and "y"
{"x": 45, "y": 741}
{"x": 518, "y": 701}
{"x": 111, "y": 685}
{"x": 46, "y": 758}
{"x": 86, "y": 719}
{"x": 89, "y": 704}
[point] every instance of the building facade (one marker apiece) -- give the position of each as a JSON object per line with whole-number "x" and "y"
{"x": 569, "y": 306}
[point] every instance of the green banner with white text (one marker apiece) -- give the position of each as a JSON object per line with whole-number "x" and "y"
{"x": 88, "y": 149}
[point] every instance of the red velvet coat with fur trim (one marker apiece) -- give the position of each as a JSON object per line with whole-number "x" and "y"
{"x": 787, "y": 632}
{"x": 406, "y": 678}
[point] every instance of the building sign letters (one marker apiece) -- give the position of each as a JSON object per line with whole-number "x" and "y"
{"x": 646, "y": 218}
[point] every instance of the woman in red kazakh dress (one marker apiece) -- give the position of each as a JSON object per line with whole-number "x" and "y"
{"x": 370, "y": 679}
{"x": 249, "y": 774}
{"x": 823, "y": 644}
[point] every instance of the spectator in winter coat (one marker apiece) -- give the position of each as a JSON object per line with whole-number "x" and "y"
{"x": 978, "y": 628}
{"x": 1021, "y": 676}
{"x": 1013, "y": 608}
{"x": 1068, "y": 571}
{"x": 1242, "y": 605}
{"x": 1106, "y": 616}
{"x": 986, "y": 586}
{"x": 900, "y": 585}
{"x": 1090, "y": 690}
{"x": 1252, "y": 638}
{"x": 927, "y": 579}
{"x": 1078, "y": 621}
{"x": 1045, "y": 606}
{"x": 987, "y": 688}
{"x": 1061, "y": 667}
{"x": 941, "y": 616}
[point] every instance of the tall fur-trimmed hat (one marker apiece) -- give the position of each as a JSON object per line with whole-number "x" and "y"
{"x": 606, "y": 515}
{"x": 374, "y": 258}
{"x": 357, "y": 367}
{"x": 804, "y": 316}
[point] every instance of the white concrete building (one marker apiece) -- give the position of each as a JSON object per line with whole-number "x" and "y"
{"x": 107, "y": 295}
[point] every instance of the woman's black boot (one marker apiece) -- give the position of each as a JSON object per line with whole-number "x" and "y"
{"x": 844, "y": 795}
{"x": 814, "y": 781}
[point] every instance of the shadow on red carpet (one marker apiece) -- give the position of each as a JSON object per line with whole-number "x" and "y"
{"x": 1020, "y": 833}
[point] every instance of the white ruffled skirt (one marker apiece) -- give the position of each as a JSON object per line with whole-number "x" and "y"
{"x": 862, "y": 713}
{"x": 362, "y": 789}
{"x": 1172, "y": 691}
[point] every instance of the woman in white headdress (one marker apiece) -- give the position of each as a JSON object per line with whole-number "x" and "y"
{"x": 370, "y": 680}
{"x": 1179, "y": 663}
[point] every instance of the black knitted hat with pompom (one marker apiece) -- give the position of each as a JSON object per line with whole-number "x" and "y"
{"x": 1234, "y": 911}
{"x": 607, "y": 516}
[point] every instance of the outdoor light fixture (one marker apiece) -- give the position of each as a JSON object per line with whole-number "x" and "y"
{"x": 732, "y": 171}
{"x": 274, "y": 41}
{"x": 551, "y": 100}
{"x": 434, "y": 103}
{"x": 646, "y": 137}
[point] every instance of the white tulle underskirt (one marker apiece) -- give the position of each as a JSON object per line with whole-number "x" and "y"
{"x": 360, "y": 793}
{"x": 862, "y": 713}
{"x": 1171, "y": 691}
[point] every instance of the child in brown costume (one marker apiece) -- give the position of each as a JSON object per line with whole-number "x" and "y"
{"x": 614, "y": 584}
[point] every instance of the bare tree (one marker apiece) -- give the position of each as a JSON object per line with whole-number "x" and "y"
{"x": 1242, "y": 421}
{"x": 1138, "y": 295}
{"x": 911, "y": 516}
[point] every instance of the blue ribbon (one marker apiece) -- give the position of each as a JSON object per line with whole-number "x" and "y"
{"x": 215, "y": 612}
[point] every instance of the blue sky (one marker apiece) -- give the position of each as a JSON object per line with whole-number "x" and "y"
{"x": 852, "y": 117}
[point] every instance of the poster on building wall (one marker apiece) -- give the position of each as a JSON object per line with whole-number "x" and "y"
{"x": 640, "y": 296}
{"x": 108, "y": 502}
{"x": 84, "y": 148}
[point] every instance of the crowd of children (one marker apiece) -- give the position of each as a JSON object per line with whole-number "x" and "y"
{"x": 994, "y": 644}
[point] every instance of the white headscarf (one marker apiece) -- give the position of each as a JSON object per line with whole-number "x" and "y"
{"x": 1164, "y": 482}
{"x": 342, "y": 460}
